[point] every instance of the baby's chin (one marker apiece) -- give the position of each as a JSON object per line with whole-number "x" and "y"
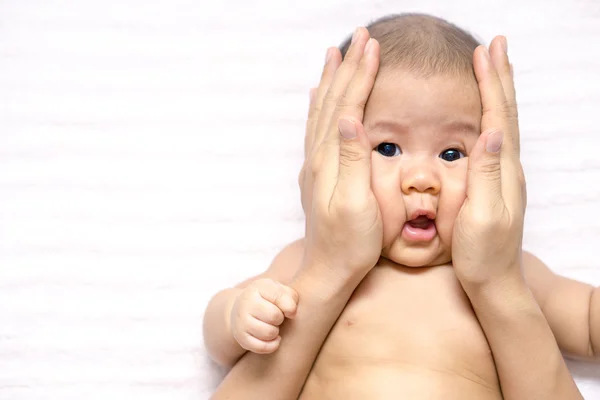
{"x": 416, "y": 257}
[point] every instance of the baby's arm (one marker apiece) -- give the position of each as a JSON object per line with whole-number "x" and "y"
{"x": 571, "y": 308}
{"x": 247, "y": 316}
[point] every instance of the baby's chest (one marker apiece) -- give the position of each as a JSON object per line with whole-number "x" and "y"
{"x": 411, "y": 318}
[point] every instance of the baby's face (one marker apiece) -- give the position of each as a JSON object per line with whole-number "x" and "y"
{"x": 421, "y": 131}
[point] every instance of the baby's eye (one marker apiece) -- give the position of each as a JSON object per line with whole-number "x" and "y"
{"x": 451, "y": 155}
{"x": 389, "y": 149}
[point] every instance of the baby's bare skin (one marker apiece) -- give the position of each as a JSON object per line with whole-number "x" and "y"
{"x": 391, "y": 331}
{"x": 406, "y": 333}
{"x": 411, "y": 333}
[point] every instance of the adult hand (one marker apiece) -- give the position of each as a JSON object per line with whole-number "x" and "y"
{"x": 486, "y": 245}
{"x": 333, "y": 59}
{"x": 343, "y": 222}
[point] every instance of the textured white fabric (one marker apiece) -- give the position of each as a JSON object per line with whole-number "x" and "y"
{"x": 148, "y": 157}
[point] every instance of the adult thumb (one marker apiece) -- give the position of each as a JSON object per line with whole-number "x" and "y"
{"x": 354, "y": 174}
{"x": 485, "y": 172}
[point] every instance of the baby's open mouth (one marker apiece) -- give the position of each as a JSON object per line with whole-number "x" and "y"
{"x": 421, "y": 222}
{"x": 419, "y": 229}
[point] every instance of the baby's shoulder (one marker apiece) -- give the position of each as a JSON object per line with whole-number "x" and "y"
{"x": 292, "y": 252}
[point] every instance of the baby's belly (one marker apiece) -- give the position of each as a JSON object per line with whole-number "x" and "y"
{"x": 406, "y": 333}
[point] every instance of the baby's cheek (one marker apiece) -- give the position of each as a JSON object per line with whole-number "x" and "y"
{"x": 455, "y": 184}
{"x": 381, "y": 183}
{"x": 391, "y": 204}
{"x": 457, "y": 198}
{"x": 453, "y": 197}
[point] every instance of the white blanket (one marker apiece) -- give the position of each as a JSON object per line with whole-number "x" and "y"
{"x": 148, "y": 157}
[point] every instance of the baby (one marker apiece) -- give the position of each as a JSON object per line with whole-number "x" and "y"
{"x": 409, "y": 329}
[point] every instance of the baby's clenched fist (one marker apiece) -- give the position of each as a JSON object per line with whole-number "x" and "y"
{"x": 257, "y": 313}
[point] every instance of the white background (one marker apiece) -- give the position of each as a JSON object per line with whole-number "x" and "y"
{"x": 148, "y": 157}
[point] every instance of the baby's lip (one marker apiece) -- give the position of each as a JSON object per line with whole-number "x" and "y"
{"x": 429, "y": 214}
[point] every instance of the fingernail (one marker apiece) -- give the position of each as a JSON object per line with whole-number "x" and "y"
{"x": 487, "y": 54}
{"x": 347, "y": 128}
{"x": 494, "y": 142}
{"x": 355, "y": 35}
{"x": 328, "y": 55}
{"x": 312, "y": 94}
{"x": 504, "y": 43}
{"x": 369, "y": 46}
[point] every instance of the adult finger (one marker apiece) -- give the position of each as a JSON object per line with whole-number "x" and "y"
{"x": 338, "y": 87}
{"x": 353, "y": 159}
{"x": 493, "y": 99}
{"x": 333, "y": 59}
{"x": 501, "y": 61}
{"x": 495, "y": 117}
{"x": 484, "y": 181}
{"x": 499, "y": 55}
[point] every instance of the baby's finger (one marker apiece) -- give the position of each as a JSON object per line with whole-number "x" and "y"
{"x": 266, "y": 311}
{"x": 499, "y": 56}
{"x": 284, "y": 297}
{"x": 333, "y": 60}
{"x": 258, "y": 346}
{"x": 261, "y": 330}
{"x": 288, "y": 303}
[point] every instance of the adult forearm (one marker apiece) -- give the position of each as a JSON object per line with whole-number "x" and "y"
{"x": 594, "y": 323}
{"x": 281, "y": 375}
{"x": 220, "y": 343}
{"x": 529, "y": 362}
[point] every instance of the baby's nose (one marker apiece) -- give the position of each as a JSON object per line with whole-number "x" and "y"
{"x": 422, "y": 180}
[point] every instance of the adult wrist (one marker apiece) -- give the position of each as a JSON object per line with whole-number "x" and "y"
{"x": 318, "y": 282}
{"x": 512, "y": 279}
{"x": 506, "y": 295}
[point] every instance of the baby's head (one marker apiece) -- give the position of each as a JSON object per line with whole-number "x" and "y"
{"x": 423, "y": 118}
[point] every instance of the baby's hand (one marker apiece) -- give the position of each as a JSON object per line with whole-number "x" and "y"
{"x": 258, "y": 312}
